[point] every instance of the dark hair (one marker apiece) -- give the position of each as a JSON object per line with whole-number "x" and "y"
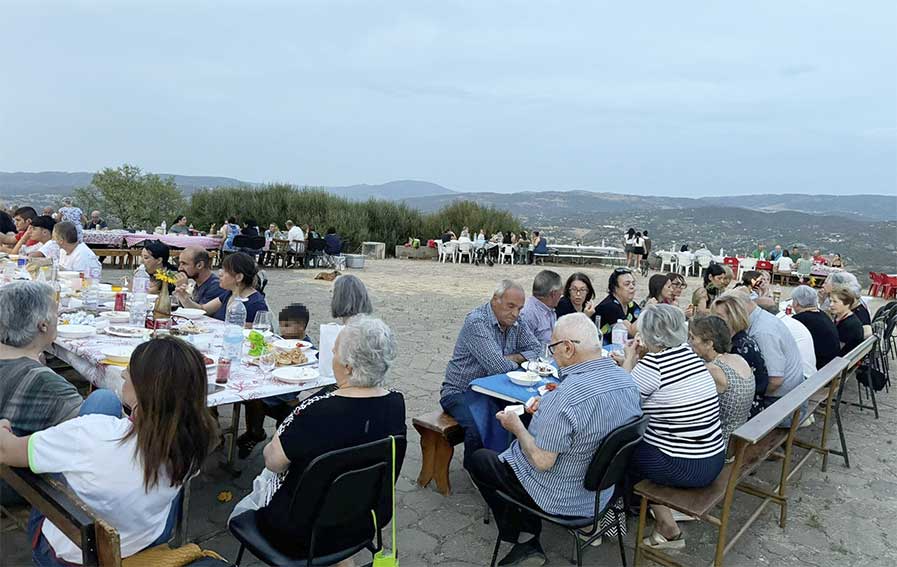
{"x": 44, "y": 221}
{"x": 6, "y": 223}
{"x": 644, "y": 233}
{"x": 240, "y": 263}
{"x": 714, "y": 269}
{"x": 160, "y": 251}
{"x": 174, "y": 428}
{"x": 747, "y": 277}
{"x": 331, "y": 230}
{"x": 295, "y": 312}
{"x": 231, "y": 220}
{"x": 25, "y": 213}
{"x": 675, "y": 277}
{"x": 178, "y": 218}
{"x": 66, "y": 231}
{"x": 579, "y": 277}
{"x": 714, "y": 329}
{"x": 615, "y": 277}
{"x": 656, "y": 284}
{"x": 523, "y": 235}
{"x": 638, "y": 234}
{"x": 630, "y": 233}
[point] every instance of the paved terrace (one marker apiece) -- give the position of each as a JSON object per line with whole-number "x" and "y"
{"x": 840, "y": 518}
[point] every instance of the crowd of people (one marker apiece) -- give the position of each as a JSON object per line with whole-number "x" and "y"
{"x": 486, "y": 249}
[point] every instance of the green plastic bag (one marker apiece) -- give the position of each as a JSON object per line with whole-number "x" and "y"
{"x": 382, "y": 558}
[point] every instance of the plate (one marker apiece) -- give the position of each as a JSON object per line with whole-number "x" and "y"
{"x": 118, "y": 353}
{"x": 288, "y": 344}
{"x": 524, "y": 378}
{"x": 75, "y": 331}
{"x": 115, "y": 316}
{"x": 295, "y": 374}
{"x": 128, "y": 332}
{"x": 190, "y": 313}
{"x": 533, "y": 366}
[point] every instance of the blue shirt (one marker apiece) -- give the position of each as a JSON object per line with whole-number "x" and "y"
{"x": 481, "y": 348}
{"x": 254, "y": 303}
{"x": 595, "y": 398}
{"x": 232, "y": 231}
{"x": 207, "y": 291}
{"x": 332, "y": 244}
{"x": 540, "y": 318}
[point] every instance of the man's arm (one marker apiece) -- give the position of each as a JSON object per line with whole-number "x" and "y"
{"x": 774, "y": 359}
{"x": 13, "y": 450}
{"x": 482, "y": 346}
{"x": 541, "y": 459}
{"x": 528, "y": 346}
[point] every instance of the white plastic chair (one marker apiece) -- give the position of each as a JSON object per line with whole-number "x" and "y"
{"x": 465, "y": 249}
{"x": 704, "y": 261}
{"x": 684, "y": 261}
{"x": 745, "y": 265}
{"x": 668, "y": 260}
{"x": 448, "y": 251}
{"x": 507, "y": 251}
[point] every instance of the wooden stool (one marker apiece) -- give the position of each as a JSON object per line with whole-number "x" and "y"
{"x": 439, "y": 433}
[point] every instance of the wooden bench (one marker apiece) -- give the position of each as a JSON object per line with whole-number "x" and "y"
{"x": 439, "y": 433}
{"x": 754, "y": 442}
{"x": 118, "y": 257}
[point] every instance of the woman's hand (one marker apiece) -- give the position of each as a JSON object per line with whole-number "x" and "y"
{"x": 690, "y": 311}
{"x": 589, "y": 308}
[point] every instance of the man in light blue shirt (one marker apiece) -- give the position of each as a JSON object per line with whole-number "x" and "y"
{"x": 538, "y": 312}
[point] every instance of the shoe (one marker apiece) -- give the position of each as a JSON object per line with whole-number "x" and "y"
{"x": 529, "y": 553}
{"x": 678, "y": 516}
{"x": 811, "y": 419}
{"x": 657, "y": 541}
{"x": 585, "y": 537}
{"x": 247, "y": 442}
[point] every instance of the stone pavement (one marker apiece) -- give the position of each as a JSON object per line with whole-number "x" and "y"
{"x": 842, "y": 517}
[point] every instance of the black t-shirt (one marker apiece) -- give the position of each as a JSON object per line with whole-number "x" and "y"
{"x": 610, "y": 310}
{"x": 565, "y": 307}
{"x": 862, "y": 313}
{"x": 746, "y": 347}
{"x": 850, "y": 332}
{"x": 826, "y": 343}
{"x": 319, "y": 425}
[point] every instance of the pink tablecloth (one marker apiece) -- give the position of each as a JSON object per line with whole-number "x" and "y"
{"x": 112, "y": 238}
{"x": 176, "y": 240}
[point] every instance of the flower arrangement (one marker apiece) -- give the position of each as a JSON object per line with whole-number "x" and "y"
{"x": 166, "y": 276}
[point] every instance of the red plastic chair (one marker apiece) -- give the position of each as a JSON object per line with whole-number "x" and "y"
{"x": 873, "y": 284}
{"x": 732, "y": 262}
{"x": 889, "y": 286}
{"x": 764, "y": 266}
{"x": 879, "y": 281}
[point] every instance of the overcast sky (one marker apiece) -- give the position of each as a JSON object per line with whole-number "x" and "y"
{"x": 679, "y": 98}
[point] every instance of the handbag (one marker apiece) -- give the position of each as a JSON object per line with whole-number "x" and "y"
{"x": 382, "y": 558}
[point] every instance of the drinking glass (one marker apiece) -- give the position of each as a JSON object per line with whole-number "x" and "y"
{"x": 262, "y": 322}
{"x": 267, "y": 361}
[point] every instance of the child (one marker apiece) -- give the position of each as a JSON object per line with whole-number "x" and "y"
{"x": 293, "y": 322}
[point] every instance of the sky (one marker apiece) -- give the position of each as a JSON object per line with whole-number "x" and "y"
{"x": 652, "y": 98}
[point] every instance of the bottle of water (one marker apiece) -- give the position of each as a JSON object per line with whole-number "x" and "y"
{"x": 619, "y": 333}
{"x": 164, "y": 228}
{"x": 233, "y": 330}
{"x": 91, "y": 293}
{"x": 139, "y": 287}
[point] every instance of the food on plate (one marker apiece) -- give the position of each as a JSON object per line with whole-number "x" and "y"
{"x": 189, "y": 328}
{"x": 76, "y": 318}
{"x": 257, "y": 343}
{"x": 125, "y": 331}
{"x": 287, "y": 358}
{"x": 551, "y": 386}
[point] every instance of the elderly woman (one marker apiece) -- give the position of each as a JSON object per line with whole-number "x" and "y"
{"x": 360, "y": 410}
{"x": 683, "y": 445}
{"x": 711, "y": 339}
{"x": 619, "y": 305}
{"x": 350, "y": 298}
{"x": 850, "y": 328}
{"x": 849, "y": 282}
{"x": 731, "y": 308}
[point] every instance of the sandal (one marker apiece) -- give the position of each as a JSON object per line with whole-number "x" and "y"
{"x": 247, "y": 442}
{"x": 657, "y": 541}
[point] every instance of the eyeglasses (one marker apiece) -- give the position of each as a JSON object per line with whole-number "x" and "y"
{"x": 683, "y": 285}
{"x": 622, "y": 270}
{"x": 578, "y": 290}
{"x": 553, "y": 345}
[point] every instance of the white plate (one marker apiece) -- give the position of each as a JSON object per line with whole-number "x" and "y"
{"x": 523, "y": 378}
{"x": 115, "y": 316}
{"x": 75, "y": 331}
{"x": 532, "y": 365}
{"x": 118, "y": 353}
{"x": 295, "y": 374}
{"x": 266, "y": 334}
{"x": 287, "y": 344}
{"x": 189, "y": 313}
{"x": 127, "y": 332}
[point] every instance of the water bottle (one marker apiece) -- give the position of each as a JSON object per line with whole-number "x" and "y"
{"x": 139, "y": 287}
{"x": 91, "y": 294}
{"x": 620, "y": 333}
{"x": 235, "y": 320}
{"x": 164, "y": 228}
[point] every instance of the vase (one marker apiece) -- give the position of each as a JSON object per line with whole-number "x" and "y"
{"x": 162, "y": 308}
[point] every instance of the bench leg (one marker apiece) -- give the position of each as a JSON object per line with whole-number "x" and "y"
{"x": 437, "y": 455}
{"x": 444, "y": 453}
{"x": 640, "y": 532}
{"x": 428, "y": 451}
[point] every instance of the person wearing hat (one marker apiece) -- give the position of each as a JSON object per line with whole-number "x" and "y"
{"x": 41, "y": 231}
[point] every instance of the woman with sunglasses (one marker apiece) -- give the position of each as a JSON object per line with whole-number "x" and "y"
{"x": 619, "y": 305}
{"x": 579, "y": 297}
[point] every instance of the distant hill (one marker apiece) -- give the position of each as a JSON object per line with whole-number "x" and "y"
{"x": 391, "y": 191}
{"x": 871, "y": 207}
{"x": 62, "y": 182}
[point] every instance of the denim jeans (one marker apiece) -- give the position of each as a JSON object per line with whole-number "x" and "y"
{"x": 456, "y": 406}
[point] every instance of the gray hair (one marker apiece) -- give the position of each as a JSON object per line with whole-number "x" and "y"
{"x": 23, "y": 306}
{"x": 578, "y": 327}
{"x": 350, "y": 298}
{"x": 546, "y": 282}
{"x": 504, "y": 286}
{"x": 368, "y": 346}
{"x": 66, "y": 231}
{"x": 67, "y": 201}
{"x": 805, "y": 296}
{"x": 662, "y": 326}
{"x": 846, "y": 280}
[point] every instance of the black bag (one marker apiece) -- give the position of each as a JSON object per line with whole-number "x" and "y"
{"x": 871, "y": 377}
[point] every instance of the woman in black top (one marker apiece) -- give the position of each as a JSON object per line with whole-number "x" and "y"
{"x": 361, "y": 410}
{"x": 850, "y": 328}
{"x": 578, "y": 296}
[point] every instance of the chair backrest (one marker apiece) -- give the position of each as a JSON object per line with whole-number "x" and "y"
{"x": 704, "y": 260}
{"x": 464, "y": 248}
{"x": 262, "y": 282}
{"x": 748, "y": 263}
{"x": 440, "y": 247}
{"x": 684, "y": 257}
{"x": 507, "y": 249}
{"x": 316, "y": 244}
{"x": 764, "y": 265}
{"x": 608, "y": 466}
{"x": 343, "y": 486}
{"x": 731, "y": 261}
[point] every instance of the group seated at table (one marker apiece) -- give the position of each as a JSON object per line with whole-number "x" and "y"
{"x": 238, "y": 278}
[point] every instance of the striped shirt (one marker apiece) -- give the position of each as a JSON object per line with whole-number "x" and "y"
{"x": 595, "y": 398}
{"x": 33, "y": 397}
{"x": 481, "y": 349}
{"x": 679, "y": 396}
{"x": 539, "y": 317}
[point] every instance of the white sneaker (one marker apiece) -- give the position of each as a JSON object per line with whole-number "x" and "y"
{"x": 811, "y": 419}
{"x": 678, "y": 516}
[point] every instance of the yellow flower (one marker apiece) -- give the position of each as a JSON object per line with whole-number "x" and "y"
{"x": 225, "y": 496}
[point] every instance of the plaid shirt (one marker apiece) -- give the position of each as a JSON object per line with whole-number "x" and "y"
{"x": 33, "y": 397}
{"x": 482, "y": 347}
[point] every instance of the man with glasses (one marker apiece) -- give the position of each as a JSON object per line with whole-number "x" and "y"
{"x": 491, "y": 341}
{"x": 538, "y": 313}
{"x": 545, "y": 465}
{"x": 619, "y": 305}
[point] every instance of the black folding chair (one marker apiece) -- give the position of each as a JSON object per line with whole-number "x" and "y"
{"x": 315, "y": 252}
{"x": 607, "y": 469}
{"x": 252, "y": 245}
{"x": 339, "y": 488}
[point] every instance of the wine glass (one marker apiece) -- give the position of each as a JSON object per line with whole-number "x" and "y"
{"x": 267, "y": 361}
{"x": 262, "y": 322}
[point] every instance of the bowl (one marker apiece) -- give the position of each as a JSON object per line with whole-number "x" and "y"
{"x": 75, "y": 331}
{"x": 190, "y": 313}
{"x": 524, "y": 378}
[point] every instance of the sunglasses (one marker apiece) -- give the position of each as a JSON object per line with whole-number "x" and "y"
{"x": 552, "y": 346}
{"x": 622, "y": 270}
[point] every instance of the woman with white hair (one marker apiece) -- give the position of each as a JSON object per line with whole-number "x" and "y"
{"x": 360, "y": 410}
{"x": 826, "y": 344}
{"x": 350, "y": 298}
{"x": 683, "y": 445}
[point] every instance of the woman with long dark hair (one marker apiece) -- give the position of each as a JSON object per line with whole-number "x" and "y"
{"x": 156, "y": 256}
{"x": 579, "y": 296}
{"x": 128, "y": 470}
{"x": 715, "y": 281}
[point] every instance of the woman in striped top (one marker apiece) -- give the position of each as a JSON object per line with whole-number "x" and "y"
{"x": 683, "y": 445}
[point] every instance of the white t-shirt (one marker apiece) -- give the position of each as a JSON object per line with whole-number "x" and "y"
{"x": 785, "y": 264}
{"x": 295, "y": 235}
{"x": 804, "y": 344}
{"x": 82, "y": 259}
{"x": 50, "y": 249}
{"x": 107, "y": 476}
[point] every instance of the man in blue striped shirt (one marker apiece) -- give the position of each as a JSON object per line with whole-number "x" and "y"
{"x": 546, "y": 465}
{"x": 491, "y": 341}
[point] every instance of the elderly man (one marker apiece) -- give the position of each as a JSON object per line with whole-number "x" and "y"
{"x": 545, "y": 465}
{"x": 538, "y": 313}
{"x": 32, "y": 397}
{"x": 826, "y": 343}
{"x": 776, "y": 253}
{"x": 781, "y": 354}
{"x": 490, "y": 342}
{"x": 194, "y": 264}
{"x": 74, "y": 256}
{"x": 95, "y": 222}
{"x": 801, "y": 334}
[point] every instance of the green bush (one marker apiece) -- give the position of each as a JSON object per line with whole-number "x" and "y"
{"x": 357, "y": 222}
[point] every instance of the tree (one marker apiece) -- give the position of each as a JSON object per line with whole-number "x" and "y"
{"x": 137, "y": 200}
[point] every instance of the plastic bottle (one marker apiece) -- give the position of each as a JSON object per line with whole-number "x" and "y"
{"x": 164, "y": 228}
{"x": 235, "y": 319}
{"x": 619, "y": 333}
{"x": 139, "y": 287}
